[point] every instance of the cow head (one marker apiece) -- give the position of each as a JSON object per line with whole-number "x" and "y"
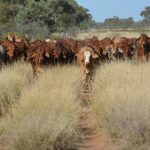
{"x": 86, "y": 57}
{"x": 10, "y": 37}
{"x": 89, "y": 58}
{"x": 143, "y": 41}
{"x": 110, "y": 53}
{"x": 58, "y": 50}
{"x": 143, "y": 47}
{"x": 10, "y": 52}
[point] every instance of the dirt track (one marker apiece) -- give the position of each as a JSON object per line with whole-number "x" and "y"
{"x": 91, "y": 138}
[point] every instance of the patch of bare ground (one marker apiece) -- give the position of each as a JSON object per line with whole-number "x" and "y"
{"x": 91, "y": 137}
{"x": 3, "y": 147}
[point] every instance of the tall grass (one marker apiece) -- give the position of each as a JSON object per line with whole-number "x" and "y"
{"x": 100, "y": 33}
{"x": 122, "y": 103}
{"x": 47, "y": 115}
{"x": 12, "y": 80}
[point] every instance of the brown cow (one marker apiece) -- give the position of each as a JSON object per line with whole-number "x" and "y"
{"x": 105, "y": 49}
{"x": 102, "y": 47}
{"x": 13, "y": 38}
{"x": 10, "y": 37}
{"x": 40, "y": 54}
{"x": 35, "y": 57}
{"x": 21, "y": 47}
{"x": 143, "y": 47}
{"x": 10, "y": 49}
{"x": 123, "y": 48}
{"x": 94, "y": 41}
{"x": 3, "y": 56}
{"x": 86, "y": 57}
{"x": 65, "y": 48}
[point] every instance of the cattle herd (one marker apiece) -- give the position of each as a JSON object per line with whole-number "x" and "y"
{"x": 88, "y": 53}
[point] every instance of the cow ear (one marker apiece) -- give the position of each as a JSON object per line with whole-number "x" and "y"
{"x": 94, "y": 56}
{"x": 47, "y": 54}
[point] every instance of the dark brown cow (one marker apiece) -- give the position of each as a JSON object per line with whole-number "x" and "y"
{"x": 105, "y": 49}
{"x": 40, "y": 54}
{"x": 21, "y": 46}
{"x": 132, "y": 47}
{"x": 60, "y": 51}
{"x": 94, "y": 41}
{"x": 123, "y": 48}
{"x": 66, "y": 49}
{"x": 143, "y": 47}
{"x": 102, "y": 47}
{"x": 3, "y": 55}
{"x": 10, "y": 49}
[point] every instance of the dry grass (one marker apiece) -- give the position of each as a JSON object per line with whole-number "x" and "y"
{"x": 122, "y": 103}
{"x": 12, "y": 80}
{"x": 111, "y": 33}
{"x": 46, "y": 117}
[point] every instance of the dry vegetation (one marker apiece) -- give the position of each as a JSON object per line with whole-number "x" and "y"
{"x": 43, "y": 115}
{"x": 47, "y": 113}
{"x": 122, "y": 103}
{"x": 111, "y": 33}
{"x": 12, "y": 80}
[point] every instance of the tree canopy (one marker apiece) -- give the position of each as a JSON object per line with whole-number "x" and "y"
{"x": 55, "y": 15}
{"x": 146, "y": 15}
{"x": 61, "y": 16}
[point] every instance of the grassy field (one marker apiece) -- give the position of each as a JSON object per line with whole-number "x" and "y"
{"x": 111, "y": 33}
{"x": 42, "y": 113}
{"x": 12, "y": 81}
{"x": 47, "y": 112}
{"x": 122, "y": 103}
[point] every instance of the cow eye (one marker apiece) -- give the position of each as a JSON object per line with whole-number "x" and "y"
{"x": 82, "y": 60}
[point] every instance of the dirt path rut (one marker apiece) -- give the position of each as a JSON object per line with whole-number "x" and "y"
{"x": 91, "y": 138}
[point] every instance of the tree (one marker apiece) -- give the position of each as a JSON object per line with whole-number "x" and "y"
{"x": 7, "y": 12}
{"x": 13, "y": 1}
{"x": 126, "y": 23}
{"x": 146, "y": 15}
{"x": 112, "y": 22}
{"x": 56, "y": 14}
{"x": 36, "y": 11}
{"x": 116, "y": 22}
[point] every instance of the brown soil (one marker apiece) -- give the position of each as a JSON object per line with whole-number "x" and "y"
{"x": 91, "y": 137}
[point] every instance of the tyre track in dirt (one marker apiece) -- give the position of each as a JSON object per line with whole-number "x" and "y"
{"x": 91, "y": 137}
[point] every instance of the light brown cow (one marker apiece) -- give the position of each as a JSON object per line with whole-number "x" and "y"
{"x": 86, "y": 57}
